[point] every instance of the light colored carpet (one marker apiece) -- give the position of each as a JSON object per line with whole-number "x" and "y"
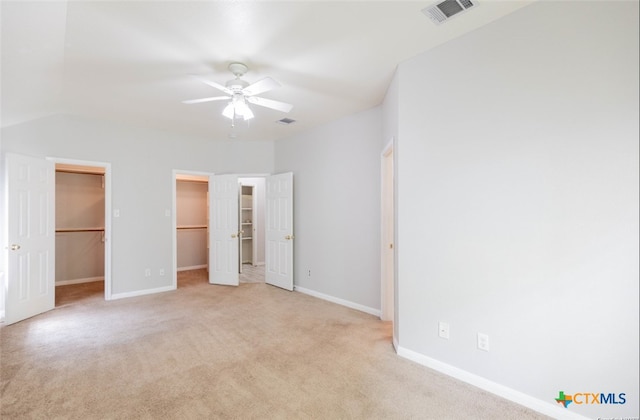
{"x": 209, "y": 352}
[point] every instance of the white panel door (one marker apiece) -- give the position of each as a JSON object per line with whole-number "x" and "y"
{"x": 30, "y": 237}
{"x": 279, "y": 231}
{"x": 223, "y": 222}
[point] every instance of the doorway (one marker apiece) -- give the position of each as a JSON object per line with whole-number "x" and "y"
{"x": 191, "y": 228}
{"x": 252, "y": 233}
{"x": 82, "y": 231}
{"x": 388, "y": 250}
{"x": 224, "y": 227}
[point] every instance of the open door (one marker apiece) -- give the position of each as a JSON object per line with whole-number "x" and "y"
{"x": 223, "y": 222}
{"x": 30, "y": 237}
{"x": 279, "y": 231}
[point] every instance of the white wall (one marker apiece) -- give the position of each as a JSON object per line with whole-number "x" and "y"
{"x": 142, "y": 163}
{"x": 336, "y": 179}
{"x": 518, "y": 202}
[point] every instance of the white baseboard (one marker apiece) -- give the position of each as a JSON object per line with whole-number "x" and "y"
{"x": 192, "y": 267}
{"x": 116, "y": 296}
{"x": 78, "y": 281}
{"x": 339, "y": 301}
{"x": 505, "y": 392}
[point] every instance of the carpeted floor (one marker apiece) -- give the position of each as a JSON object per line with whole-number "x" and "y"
{"x": 209, "y": 352}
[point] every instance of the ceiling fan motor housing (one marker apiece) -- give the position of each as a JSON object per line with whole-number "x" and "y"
{"x": 236, "y": 85}
{"x": 238, "y": 69}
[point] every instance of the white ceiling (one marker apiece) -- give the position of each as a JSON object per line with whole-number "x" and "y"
{"x": 130, "y": 61}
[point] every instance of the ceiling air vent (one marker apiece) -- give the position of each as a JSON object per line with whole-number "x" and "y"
{"x": 286, "y": 121}
{"x": 445, "y": 10}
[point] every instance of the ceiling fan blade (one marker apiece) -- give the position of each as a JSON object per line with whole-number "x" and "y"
{"x": 270, "y": 103}
{"x": 213, "y": 98}
{"x": 213, "y": 84}
{"x": 260, "y": 86}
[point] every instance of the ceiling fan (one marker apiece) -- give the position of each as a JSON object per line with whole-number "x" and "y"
{"x": 239, "y": 93}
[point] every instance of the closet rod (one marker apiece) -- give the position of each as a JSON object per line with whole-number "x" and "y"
{"x": 80, "y": 230}
{"x": 190, "y": 227}
{"x": 71, "y": 171}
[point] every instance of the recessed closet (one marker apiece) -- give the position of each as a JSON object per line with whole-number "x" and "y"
{"x": 80, "y": 224}
{"x": 191, "y": 222}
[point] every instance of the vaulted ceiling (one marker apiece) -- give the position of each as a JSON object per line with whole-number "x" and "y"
{"x": 131, "y": 61}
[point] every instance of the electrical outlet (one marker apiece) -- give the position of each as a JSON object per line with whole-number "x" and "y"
{"x": 147, "y": 272}
{"x": 483, "y": 341}
{"x": 443, "y": 330}
{"x": 162, "y": 271}
{"x": 309, "y": 275}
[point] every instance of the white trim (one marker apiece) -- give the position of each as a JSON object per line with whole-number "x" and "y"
{"x": 249, "y": 175}
{"x": 142, "y": 292}
{"x": 348, "y": 304}
{"x": 192, "y": 267}
{"x": 78, "y": 281}
{"x": 505, "y": 392}
{"x": 108, "y": 280}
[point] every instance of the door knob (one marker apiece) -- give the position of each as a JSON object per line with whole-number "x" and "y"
{"x": 233, "y": 235}
{"x": 289, "y": 237}
{"x": 15, "y": 247}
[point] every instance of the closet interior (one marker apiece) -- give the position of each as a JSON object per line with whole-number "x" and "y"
{"x": 80, "y": 227}
{"x": 192, "y": 222}
{"x": 252, "y": 221}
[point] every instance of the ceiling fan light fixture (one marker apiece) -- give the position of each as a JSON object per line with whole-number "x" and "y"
{"x": 242, "y": 109}
{"x": 238, "y": 108}
{"x": 229, "y": 111}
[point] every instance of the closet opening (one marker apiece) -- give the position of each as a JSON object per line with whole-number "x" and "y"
{"x": 388, "y": 254}
{"x": 219, "y": 218}
{"x": 81, "y": 254}
{"x": 251, "y": 219}
{"x": 192, "y": 228}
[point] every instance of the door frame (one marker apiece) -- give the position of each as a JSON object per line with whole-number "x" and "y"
{"x": 388, "y": 229}
{"x": 107, "y": 215}
{"x": 174, "y": 220}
